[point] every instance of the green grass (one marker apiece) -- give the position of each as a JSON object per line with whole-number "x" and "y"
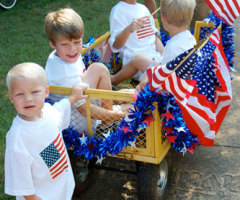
{"x": 22, "y": 39}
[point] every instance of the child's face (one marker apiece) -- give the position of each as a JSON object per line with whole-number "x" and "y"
{"x": 28, "y": 96}
{"x": 68, "y": 50}
{"x": 130, "y": 1}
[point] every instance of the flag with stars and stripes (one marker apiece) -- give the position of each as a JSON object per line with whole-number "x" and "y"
{"x": 55, "y": 157}
{"x": 146, "y": 30}
{"x": 200, "y": 83}
{"x": 175, "y": 80}
{"x": 227, "y": 10}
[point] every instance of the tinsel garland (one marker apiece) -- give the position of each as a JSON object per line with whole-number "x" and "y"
{"x": 114, "y": 64}
{"x": 164, "y": 37}
{"x": 227, "y": 37}
{"x": 125, "y": 134}
{"x": 90, "y": 56}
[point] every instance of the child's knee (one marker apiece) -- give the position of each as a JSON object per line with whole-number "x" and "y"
{"x": 138, "y": 58}
{"x": 141, "y": 60}
{"x": 99, "y": 68}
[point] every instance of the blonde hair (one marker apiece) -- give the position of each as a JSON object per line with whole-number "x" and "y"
{"x": 178, "y": 12}
{"x": 65, "y": 22}
{"x": 26, "y": 70}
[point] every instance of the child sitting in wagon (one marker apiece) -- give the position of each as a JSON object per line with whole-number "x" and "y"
{"x": 135, "y": 37}
{"x": 176, "y": 16}
{"x": 64, "y": 29}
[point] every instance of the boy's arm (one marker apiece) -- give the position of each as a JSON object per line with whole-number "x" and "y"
{"x": 32, "y": 197}
{"x": 159, "y": 45}
{"x": 122, "y": 37}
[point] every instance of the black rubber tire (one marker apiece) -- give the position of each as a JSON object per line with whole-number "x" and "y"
{"x": 84, "y": 173}
{"x": 152, "y": 185}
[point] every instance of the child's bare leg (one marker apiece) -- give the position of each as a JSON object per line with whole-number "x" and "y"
{"x": 98, "y": 76}
{"x": 138, "y": 63}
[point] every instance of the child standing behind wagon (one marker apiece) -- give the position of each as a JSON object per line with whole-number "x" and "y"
{"x": 37, "y": 166}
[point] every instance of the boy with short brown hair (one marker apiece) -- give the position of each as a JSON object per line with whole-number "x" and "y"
{"x": 65, "y": 67}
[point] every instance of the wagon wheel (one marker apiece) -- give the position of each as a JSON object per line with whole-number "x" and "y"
{"x": 153, "y": 180}
{"x": 83, "y": 170}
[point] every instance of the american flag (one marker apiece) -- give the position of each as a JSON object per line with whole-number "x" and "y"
{"x": 146, "y": 30}
{"x": 175, "y": 80}
{"x": 227, "y": 10}
{"x": 55, "y": 157}
{"x": 202, "y": 88}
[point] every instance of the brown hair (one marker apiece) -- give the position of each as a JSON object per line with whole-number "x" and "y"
{"x": 64, "y": 22}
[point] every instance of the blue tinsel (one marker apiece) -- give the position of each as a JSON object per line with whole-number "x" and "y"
{"x": 98, "y": 147}
{"x": 227, "y": 37}
{"x": 90, "y": 56}
{"x": 164, "y": 37}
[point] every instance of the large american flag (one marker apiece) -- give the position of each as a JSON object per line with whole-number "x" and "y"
{"x": 55, "y": 157}
{"x": 227, "y": 10}
{"x": 146, "y": 30}
{"x": 201, "y": 87}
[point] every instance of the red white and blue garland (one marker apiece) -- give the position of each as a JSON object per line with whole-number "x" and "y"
{"x": 125, "y": 134}
{"x": 128, "y": 129}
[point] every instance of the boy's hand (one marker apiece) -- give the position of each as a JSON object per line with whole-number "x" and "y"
{"x": 142, "y": 84}
{"x": 77, "y": 94}
{"x": 136, "y": 24}
{"x": 32, "y": 197}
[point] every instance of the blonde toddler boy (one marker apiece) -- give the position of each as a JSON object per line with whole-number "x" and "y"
{"x": 36, "y": 160}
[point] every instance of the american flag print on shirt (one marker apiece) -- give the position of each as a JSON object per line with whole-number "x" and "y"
{"x": 55, "y": 157}
{"x": 146, "y": 30}
{"x": 227, "y": 10}
{"x": 208, "y": 92}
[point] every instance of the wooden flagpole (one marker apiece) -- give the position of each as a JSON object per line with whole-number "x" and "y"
{"x": 155, "y": 12}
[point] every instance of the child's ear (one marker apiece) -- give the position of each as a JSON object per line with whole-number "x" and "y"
{"x": 51, "y": 43}
{"x": 162, "y": 17}
{"x": 47, "y": 91}
{"x": 10, "y": 96}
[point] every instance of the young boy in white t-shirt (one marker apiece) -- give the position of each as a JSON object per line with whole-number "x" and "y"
{"x": 64, "y": 29}
{"x": 135, "y": 37}
{"x": 37, "y": 166}
{"x": 175, "y": 16}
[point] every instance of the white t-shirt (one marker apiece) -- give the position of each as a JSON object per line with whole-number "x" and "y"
{"x": 139, "y": 42}
{"x": 36, "y": 160}
{"x": 62, "y": 73}
{"x": 178, "y": 44}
